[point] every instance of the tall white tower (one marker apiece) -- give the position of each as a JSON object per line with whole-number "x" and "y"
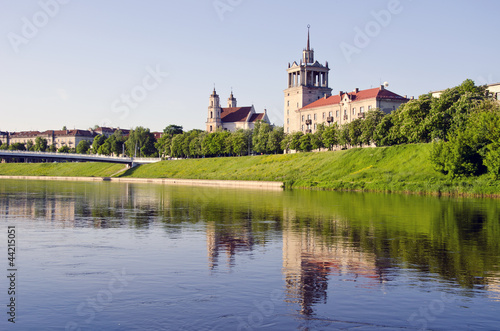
{"x": 214, "y": 112}
{"x": 307, "y": 82}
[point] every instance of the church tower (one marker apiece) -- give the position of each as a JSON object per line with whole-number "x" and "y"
{"x": 231, "y": 102}
{"x": 214, "y": 113}
{"x": 307, "y": 82}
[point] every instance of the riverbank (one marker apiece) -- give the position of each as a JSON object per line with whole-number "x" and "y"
{"x": 397, "y": 169}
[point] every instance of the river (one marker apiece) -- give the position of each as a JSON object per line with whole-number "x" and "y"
{"x": 116, "y": 256}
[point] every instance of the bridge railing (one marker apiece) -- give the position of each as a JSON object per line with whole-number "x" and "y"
{"x": 75, "y": 155}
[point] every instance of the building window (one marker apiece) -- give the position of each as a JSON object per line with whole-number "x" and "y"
{"x": 287, "y": 130}
{"x": 323, "y": 115}
{"x": 315, "y": 118}
{"x": 211, "y": 114}
{"x": 210, "y": 128}
{"x": 314, "y": 126}
{"x": 288, "y": 103}
{"x": 345, "y": 111}
{"x": 309, "y": 116}
{"x": 288, "y": 112}
{"x": 369, "y": 108}
{"x": 354, "y": 111}
{"x": 337, "y": 113}
{"x": 297, "y": 105}
{"x": 302, "y": 127}
{"x": 361, "y": 109}
{"x": 287, "y": 121}
{"x": 302, "y": 118}
{"x": 393, "y": 107}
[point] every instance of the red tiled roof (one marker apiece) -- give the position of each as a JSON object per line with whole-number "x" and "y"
{"x": 235, "y": 114}
{"x": 360, "y": 95}
{"x": 257, "y": 117}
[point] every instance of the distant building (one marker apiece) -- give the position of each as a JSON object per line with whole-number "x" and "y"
{"x": 233, "y": 117}
{"x": 493, "y": 91}
{"x": 309, "y": 100}
{"x": 58, "y": 138}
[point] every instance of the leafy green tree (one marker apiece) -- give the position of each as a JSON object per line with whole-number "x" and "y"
{"x": 64, "y": 128}
{"x": 17, "y": 147}
{"x": 331, "y": 136}
{"x": 344, "y": 137}
{"x": 105, "y": 149}
{"x": 305, "y": 142}
{"x": 413, "y": 116}
{"x": 274, "y": 140}
{"x": 240, "y": 141}
{"x": 285, "y": 143}
{"x": 4, "y": 146}
{"x": 163, "y": 145}
{"x": 369, "y": 125}
{"x": 83, "y": 147}
{"x": 98, "y": 141}
{"x": 317, "y": 138}
{"x": 40, "y": 144}
{"x": 52, "y": 149}
{"x": 30, "y": 146}
{"x": 141, "y": 142}
{"x": 176, "y": 148}
{"x": 64, "y": 149}
{"x": 381, "y": 135}
{"x": 295, "y": 141}
{"x": 260, "y": 137}
{"x": 116, "y": 142}
{"x": 173, "y": 130}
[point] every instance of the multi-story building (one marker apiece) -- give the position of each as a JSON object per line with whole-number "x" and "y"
{"x": 309, "y": 101}
{"x": 233, "y": 117}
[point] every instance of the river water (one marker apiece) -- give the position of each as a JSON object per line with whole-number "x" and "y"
{"x": 113, "y": 256}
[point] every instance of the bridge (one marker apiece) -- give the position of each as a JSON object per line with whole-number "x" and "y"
{"x": 64, "y": 157}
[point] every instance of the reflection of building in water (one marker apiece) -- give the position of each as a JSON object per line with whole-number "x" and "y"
{"x": 228, "y": 241}
{"x": 307, "y": 263}
{"x": 32, "y": 208}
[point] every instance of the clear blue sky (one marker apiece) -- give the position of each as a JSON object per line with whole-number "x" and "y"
{"x": 83, "y": 55}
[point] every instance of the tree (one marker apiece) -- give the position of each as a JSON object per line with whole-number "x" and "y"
{"x": 370, "y": 123}
{"x": 116, "y": 142}
{"x": 30, "y": 145}
{"x": 381, "y": 135}
{"x": 141, "y": 142}
{"x": 52, "y": 149}
{"x": 173, "y": 130}
{"x": 163, "y": 145}
{"x": 64, "y": 149}
{"x": 240, "y": 141}
{"x": 295, "y": 140}
{"x": 4, "y": 146}
{"x": 331, "y": 136}
{"x": 64, "y": 128}
{"x": 83, "y": 147}
{"x": 413, "y": 119}
{"x": 285, "y": 143}
{"x": 305, "y": 142}
{"x": 40, "y": 144}
{"x": 317, "y": 138}
{"x": 260, "y": 137}
{"x": 17, "y": 147}
{"x": 344, "y": 137}
{"x": 98, "y": 141}
{"x": 274, "y": 140}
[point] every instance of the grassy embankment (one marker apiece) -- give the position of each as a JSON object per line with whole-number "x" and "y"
{"x": 403, "y": 168}
{"x": 70, "y": 169}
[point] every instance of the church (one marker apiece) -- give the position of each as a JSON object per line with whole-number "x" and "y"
{"x": 309, "y": 100}
{"x": 232, "y": 117}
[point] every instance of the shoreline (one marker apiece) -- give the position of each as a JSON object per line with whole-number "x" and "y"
{"x": 266, "y": 185}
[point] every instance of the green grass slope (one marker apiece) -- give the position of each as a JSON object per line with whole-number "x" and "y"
{"x": 404, "y": 168}
{"x": 83, "y": 169}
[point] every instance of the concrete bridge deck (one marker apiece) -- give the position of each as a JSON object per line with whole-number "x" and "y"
{"x": 75, "y": 157}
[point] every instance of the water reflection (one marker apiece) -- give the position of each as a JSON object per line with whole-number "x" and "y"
{"x": 326, "y": 237}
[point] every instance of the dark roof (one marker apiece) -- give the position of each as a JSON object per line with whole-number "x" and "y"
{"x": 235, "y": 114}
{"x": 257, "y": 117}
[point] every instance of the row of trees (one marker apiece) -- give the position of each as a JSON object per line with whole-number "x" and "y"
{"x": 263, "y": 139}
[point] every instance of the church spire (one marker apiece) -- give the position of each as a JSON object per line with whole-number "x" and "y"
{"x": 308, "y": 54}
{"x": 308, "y": 43}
